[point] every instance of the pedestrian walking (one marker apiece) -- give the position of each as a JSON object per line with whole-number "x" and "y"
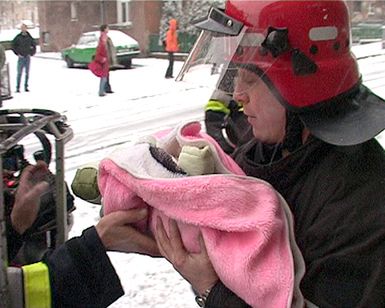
{"x": 100, "y": 66}
{"x": 172, "y": 45}
{"x": 24, "y": 46}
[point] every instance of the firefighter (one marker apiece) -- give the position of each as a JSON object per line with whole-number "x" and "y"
{"x": 314, "y": 125}
{"x": 225, "y": 121}
{"x": 78, "y": 273}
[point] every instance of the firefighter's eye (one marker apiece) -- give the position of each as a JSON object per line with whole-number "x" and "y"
{"x": 245, "y": 77}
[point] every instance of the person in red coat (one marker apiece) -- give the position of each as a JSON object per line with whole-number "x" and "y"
{"x": 172, "y": 46}
{"x": 101, "y": 66}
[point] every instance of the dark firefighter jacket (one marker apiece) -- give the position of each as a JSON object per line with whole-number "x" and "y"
{"x": 337, "y": 196}
{"x": 78, "y": 274}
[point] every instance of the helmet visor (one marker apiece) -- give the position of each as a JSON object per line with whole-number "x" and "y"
{"x": 216, "y": 55}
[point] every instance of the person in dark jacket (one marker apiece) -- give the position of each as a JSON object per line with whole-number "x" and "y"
{"x": 79, "y": 272}
{"x": 224, "y": 117}
{"x": 24, "y": 46}
{"x": 314, "y": 125}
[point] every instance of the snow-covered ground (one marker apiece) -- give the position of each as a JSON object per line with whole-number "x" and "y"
{"x": 143, "y": 102}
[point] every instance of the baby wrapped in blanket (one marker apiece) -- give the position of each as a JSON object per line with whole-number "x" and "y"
{"x": 246, "y": 225}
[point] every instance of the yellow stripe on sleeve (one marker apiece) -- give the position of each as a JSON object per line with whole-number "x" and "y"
{"x": 37, "y": 290}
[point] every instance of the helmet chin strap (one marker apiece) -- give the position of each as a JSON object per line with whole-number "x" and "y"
{"x": 268, "y": 153}
{"x": 276, "y": 153}
{"x": 294, "y": 131}
{"x": 291, "y": 142}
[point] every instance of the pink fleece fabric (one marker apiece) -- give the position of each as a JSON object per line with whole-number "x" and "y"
{"x": 243, "y": 220}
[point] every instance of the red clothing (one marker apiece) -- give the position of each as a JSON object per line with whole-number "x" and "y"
{"x": 100, "y": 65}
{"x": 172, "y": 44}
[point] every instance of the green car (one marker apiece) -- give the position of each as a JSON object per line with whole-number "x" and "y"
{"x": 83, "y": 52}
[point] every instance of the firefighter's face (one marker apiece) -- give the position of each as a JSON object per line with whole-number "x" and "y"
{"x": 265, "y": 114}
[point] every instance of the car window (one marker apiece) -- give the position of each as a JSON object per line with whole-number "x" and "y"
{"x": 87, "y": 40}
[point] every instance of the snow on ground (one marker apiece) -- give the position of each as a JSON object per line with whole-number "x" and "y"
{"x": 143, "y": 102}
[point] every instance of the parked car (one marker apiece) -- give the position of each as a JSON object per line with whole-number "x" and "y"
{"x": 367, "y": 32}
{"x": 83, "y": 52}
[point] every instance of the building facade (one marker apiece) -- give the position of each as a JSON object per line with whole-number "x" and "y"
{"x": 62, "y": 22}
{"x": 14, "y": 12}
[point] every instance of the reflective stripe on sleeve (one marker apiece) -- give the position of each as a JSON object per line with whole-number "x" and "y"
{"x": 37, "y": 291}
{"x": 215, "y": 105}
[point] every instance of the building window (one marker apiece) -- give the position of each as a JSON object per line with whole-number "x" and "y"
{"x": 371, "y": 9}
{"x": 45, "y": 38}
{"x": 124, "y": 7}
{"x": 74, "y": 11}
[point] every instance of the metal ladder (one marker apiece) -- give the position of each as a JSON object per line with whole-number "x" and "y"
{"x": 24, "y": 123}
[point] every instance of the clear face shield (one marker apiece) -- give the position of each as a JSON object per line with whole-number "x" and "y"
{"x": 222, "y": 48}
{"x": 209, "y": 61}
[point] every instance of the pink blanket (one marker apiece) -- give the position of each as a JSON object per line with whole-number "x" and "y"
{"x": 246, "y": 225}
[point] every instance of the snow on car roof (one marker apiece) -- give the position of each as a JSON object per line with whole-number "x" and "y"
{"x": 117, "y": 37}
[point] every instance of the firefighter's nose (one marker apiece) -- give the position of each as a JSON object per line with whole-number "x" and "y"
{"x": 240, "y": 97}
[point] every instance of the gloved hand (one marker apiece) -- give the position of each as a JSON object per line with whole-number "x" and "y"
{"x": 27, "y": 200}
{"x": 85, "y": 183}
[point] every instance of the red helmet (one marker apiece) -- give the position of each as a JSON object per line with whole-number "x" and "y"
{"x": 306, "y": 47}
{"x": 301, "y": 49}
